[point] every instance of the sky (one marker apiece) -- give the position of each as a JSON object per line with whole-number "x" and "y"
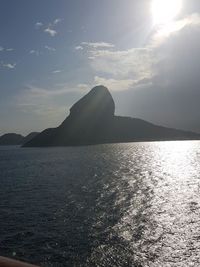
{"x": 52, "y": 52}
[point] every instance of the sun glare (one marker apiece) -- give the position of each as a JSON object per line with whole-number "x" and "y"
{"x": 165, "y": 11}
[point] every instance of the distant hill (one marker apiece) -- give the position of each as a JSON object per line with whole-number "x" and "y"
{"x": 11, "y": 139}
{"x": 15, "y": 139}
{"x": 92, "y": 121}
{"x": 29, "y": 137}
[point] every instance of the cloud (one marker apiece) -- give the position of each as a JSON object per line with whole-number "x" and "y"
{"x": 83, "y": 86}
{"x": 6, "y": 49}
{"x": 38, "y": 25}
{"x": 50, "y": 31}
{"x": 56, "y": 71}
{"x": 50, "y": 48}
{"x": 135, "y": 66}
{"x": 164, "y": 32}
{"x": 34, "y": 52}
{"x": 52, "y": 104}
{"x": 56, "y": 21}
{"x": 9, "y": 65}
{"x": 135, "y": 63}
{"x": 9, "y": 49}
{"x": 132, "y": 64}
{"x": 113, "y": 84}
{"x": 98, "y": 44}
{"x": 40, "y": 102}
{"x": 78, "y": 47}
{"x": 32, "y": 91}
{"x": 192, "y": 19}
{"x": 37, "y": 52}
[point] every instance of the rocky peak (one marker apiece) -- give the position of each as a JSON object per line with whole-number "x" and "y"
{"x": 97, "y": 104}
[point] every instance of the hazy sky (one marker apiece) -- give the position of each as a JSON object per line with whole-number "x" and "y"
{"x": 53, "y": 51}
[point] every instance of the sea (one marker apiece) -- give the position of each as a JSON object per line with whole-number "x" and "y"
{"x": 133, "y": 204}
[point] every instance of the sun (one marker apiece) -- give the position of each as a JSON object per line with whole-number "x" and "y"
{"x": 165, "y": 11}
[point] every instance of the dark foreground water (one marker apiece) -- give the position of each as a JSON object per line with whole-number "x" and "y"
{"x": 109, "y": 205}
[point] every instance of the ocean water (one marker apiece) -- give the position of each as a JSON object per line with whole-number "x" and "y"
{"x": 135, "y": 204}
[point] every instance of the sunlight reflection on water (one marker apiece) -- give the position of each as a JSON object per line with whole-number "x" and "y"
{"x": 158, "y": 196}
{"x": 110, "y": 205}
{"x": 162, "y": 223}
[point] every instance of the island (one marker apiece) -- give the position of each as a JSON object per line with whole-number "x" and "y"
{"x": 13, "y": 139}
{"x": 92, "y": 121}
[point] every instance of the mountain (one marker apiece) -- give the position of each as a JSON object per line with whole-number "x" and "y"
{"x": 92, "y": 121}
{"x": 29, "y": 137}
{"x": 11, "y": 139}
{"x": 15, "y": 139}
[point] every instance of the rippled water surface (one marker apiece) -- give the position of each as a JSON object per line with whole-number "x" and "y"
{"x": 132, "y": 204}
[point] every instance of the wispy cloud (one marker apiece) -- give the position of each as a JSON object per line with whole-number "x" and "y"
{"x": 9, "y": 49}
{"x": 135, "y": 66}
{"x": 56, "y": 21}
{"x": 41, "y": 102}
{"x": 38, "y": 53}
{"x": 56, "y": 71}
{"x": 6, "y": 49}
{"x": 125, "y": 67}
{"x": 8, "y": 65}
{"x": 98, "y": 44}
{"x": 42, "y": 92}
{"x": 166, "y": 31}
{"x": 136, "y": 63}
{"x": 38, "y": 25}
{"x": 83, "y": 86}
{"x": 34, "y": 52}
{"x": 78, "y": 47}
{"x": 46, "y": 102}
{"x": 50, "y": 48}
{"x": 49, "y": 28}
{"x": 50, "y": 31}
{"x": 32, "y": 91}
{"x": 114, "y": 84}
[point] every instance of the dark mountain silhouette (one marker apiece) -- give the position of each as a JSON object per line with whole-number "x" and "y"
{"x": 29, "y": 137}
{"x": 11, "y": 139}
{"x": 92, "y": 121}
{"x": 15, "y": 139}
